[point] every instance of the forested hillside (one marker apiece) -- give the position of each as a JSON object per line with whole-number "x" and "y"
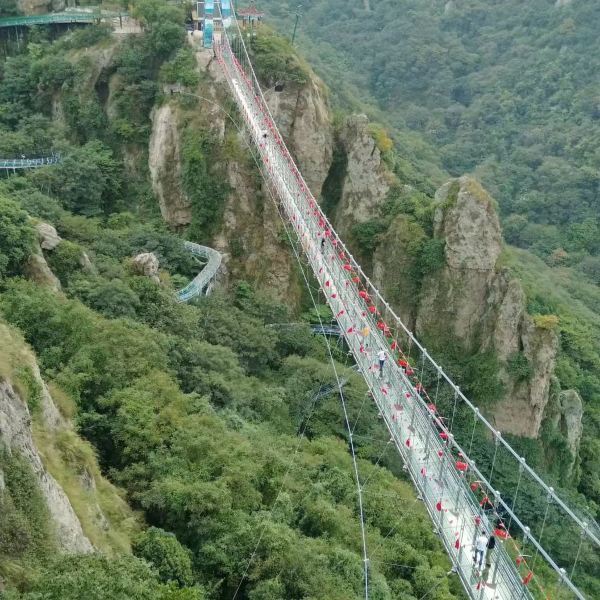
{"x": 211, "y": 419}
{"x": 509, "y": 91}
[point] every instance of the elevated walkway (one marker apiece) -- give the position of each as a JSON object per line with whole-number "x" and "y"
{"x": 65, "y": 18}
{"x": 202, "y": 284}
{"x": 12, "y": 164}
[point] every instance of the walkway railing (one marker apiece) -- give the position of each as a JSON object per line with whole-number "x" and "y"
{"x": 422, "y": 424}
{"x": 28, "y": 163}
{"x": 60, "y": 17}
{"x": 203, "y": 282}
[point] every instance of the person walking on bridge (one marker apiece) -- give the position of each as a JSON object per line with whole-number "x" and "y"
{"x": 381, "y": 355}
{"x": 480, "y": 549}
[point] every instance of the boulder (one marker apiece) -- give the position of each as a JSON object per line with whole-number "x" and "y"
{"x": 146, "y": 264}
{"x": 48, "y": 237}
{"x": 36, "y": 268}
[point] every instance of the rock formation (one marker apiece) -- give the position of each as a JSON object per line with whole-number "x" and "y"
{"x": 47, "y": 236}
{"x": 302, "y": 114}
{"x": 40, "y": 7}
{"x": 36, "y": 268}
{"x": 16, "y": 436}
{"x": 366, "y": 180}
{"x": 146, "y": 264}
{"x": 470, "y": 301}
{"x": 165, "y": 167}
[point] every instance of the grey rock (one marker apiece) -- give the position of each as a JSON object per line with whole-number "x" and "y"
{"x": 47, "y": 235}
{"x": 36, "y": 268}
{"x": 367, "y": 179}
{"x": 303, "y": 117}
{"x": 16, "y": 436}
{"x": 165, "y": 167}
{"x": 146, "y": 264}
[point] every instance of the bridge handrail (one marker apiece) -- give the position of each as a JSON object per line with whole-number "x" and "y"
{"x": 204, "y": 279}
{"x": 29, "y": 163}
{"x": 59, "y": 17}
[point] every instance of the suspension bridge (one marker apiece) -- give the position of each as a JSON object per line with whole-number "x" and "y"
{"x": 423, "y": 410}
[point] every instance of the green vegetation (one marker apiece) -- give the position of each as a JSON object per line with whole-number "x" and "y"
{"x": 275, "y": 60}
{"x": 205, "y": 416}
{"x": 16, "y": 237}
{"x": 504, "y": 90}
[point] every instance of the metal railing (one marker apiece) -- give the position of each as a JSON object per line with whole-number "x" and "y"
{"x": 203, "y": 282}
{"x": 29, "y": 163}
{"x": 60, "y": 17}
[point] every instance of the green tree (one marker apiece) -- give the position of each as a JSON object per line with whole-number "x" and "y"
{"x": 16, "y": 237}
{"x": 163, "y": 551}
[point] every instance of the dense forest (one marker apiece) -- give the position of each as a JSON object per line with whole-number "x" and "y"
{"x": 508, "y": 91}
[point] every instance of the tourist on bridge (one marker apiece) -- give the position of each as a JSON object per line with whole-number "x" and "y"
{"x": 381, "y": 355}
{"x": 481, "y": 544}
{"x": 490, "y": 548}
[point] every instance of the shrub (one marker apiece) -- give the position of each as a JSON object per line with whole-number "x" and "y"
{"x": 368, "y": 234}
{"x": 16, "y": 237}
{"x": 519, "y": 366}
{"x": 546, "y": 321}
{"x": 162, "y": 550}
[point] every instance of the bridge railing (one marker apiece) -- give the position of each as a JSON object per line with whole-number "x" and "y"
{"x": 59, "y": 18}
{"x": 438, "y": 413}
{"x": 202, "y": 283}
{"x": 29, "y": 163}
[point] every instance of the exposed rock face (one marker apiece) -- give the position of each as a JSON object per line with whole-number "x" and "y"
{"x": 249, "y": 237}
{"x": 165, "y": 167}
{"x": 393, "y": 256}
{"x": 146, "y": 264}
{"x": 40, "y": 7}
{"x": 457, "y": 296}
{"x": 48, "y": 237}
{"x": 471, "y": 301}
{"x": 303, "y": 117}
{"x": 36, "y": 268}
{"x": 15, "y": 434}
{"x": 367, "y": 179}
{"x": 571, "y": 421}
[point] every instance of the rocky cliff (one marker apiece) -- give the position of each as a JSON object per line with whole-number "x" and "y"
{"x": 164, "y": 162}
{"x": 304, "y": 119}
{"x": 16, "y": 436}
{"x": 474, "y": 304}
{"x": 365, "y": 180}
{"x": 249, "y": 233}
{"x": 85, "y": 510}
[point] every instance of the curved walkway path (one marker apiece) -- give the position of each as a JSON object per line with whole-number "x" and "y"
{"x": 202, "y": 284}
